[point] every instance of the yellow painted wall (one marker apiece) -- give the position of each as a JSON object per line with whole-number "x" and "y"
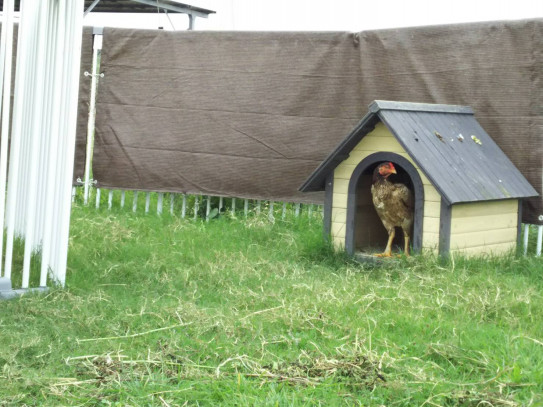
{"x": 484, "y": 227}
{"x": 380, "y": 139}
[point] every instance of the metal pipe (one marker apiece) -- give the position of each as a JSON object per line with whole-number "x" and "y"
{"x": 97, "y": 46}
{"x": 539, "y": 240}
{"x": 20, "y": 91}
{"x": 6, "y": 63}
{"x": 526, "y": 236}
{"x": 135, "y": 202}
{"x": 159, "y": 203}
{"x": 35, "y": 136}
{"x": 74, "y": 19}
{"x": 52, "y": 125}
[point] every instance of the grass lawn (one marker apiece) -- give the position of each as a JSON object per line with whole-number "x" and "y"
{"x": 159, "y": 311}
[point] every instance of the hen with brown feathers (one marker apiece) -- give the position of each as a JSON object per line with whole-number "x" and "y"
{"x": 394, "y": 204}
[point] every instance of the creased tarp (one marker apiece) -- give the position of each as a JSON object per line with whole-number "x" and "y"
{"x": 83, "y": 105}
{"x": 247, "y": 115}
{"x": 252, "y": 114}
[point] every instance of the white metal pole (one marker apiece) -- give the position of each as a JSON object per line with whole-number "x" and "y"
{"x": 271, "y": 217}
{"x": 35, "y": 136}
{"x": 75, "y": 22}
{"x": 196, "y": 207}
{"x": 20, "y": 92}
{"x": 159, "y": 203}
{"x": 97, "y": 46}
{"x": 539, "y": 240}
{"x": 526, "y": 236}
{"x": 52, "y": 127}
{"x": 135, "y": 202}
{"x": 6, "y": 63}
{"x": 55, "y": 150}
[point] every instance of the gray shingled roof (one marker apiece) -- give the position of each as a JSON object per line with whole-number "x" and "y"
{"x": 439, "y": 140}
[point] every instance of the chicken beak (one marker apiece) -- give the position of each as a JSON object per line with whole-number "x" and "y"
{"x": 393, "y": 170}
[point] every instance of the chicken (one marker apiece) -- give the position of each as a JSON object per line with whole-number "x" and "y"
{"x": 394, "y": 204}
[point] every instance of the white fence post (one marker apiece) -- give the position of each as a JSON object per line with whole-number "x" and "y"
{"x": 271, "y": 216}
{"x": 196, "y": 207}
{"x": 135, "y": 202}
{"x": 97, "y": 46}
{"x": 539, "y": 240}
{"x": 526, "y": 236}
{"x": 147, "y": 201}
{"x": 159, "y": 203}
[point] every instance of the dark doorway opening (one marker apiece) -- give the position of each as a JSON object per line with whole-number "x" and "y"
{"x": 365, "y": 232}
{"x": 370, "y": 236}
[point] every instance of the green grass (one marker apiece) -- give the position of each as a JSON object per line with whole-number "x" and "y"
{"x": 159, "y": 311}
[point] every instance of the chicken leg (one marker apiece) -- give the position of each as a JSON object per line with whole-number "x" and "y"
{"x": 388, "y": 249}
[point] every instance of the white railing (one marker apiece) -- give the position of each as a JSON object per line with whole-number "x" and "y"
{"x": 532, "y": 230}
{"x": 193, "y": 207}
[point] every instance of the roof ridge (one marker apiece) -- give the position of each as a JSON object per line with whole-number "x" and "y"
{"x": 377, "y": 105}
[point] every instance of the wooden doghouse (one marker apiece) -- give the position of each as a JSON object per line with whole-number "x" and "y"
{"x": 467, "y": 192}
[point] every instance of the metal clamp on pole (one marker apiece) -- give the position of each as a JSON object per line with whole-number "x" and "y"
{"x": 91, "y": 181}
{"x": 98, "y": 75}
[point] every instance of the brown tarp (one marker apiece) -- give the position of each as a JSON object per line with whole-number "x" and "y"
{"x": 252, "y": 114}
{"x": 83, "y": 105}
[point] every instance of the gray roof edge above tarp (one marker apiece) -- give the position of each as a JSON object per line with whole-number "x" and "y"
{"x": 445, "y": 163}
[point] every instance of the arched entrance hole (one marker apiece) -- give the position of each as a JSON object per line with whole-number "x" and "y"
{"x": 365, "y": 231}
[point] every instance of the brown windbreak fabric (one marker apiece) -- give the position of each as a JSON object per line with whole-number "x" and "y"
{"x": 83, "y": 105}
{"x": 252, "y": 114}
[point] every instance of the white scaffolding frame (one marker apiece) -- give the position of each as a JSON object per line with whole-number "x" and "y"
{"x": 41, "y": 151}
